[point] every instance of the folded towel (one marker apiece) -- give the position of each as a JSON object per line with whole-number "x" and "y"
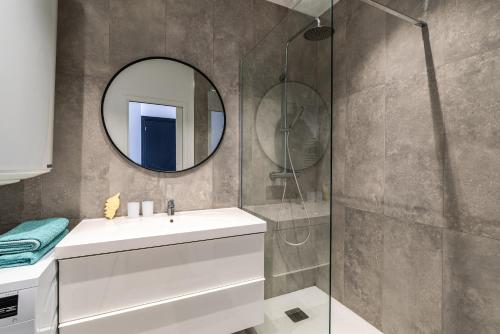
{"x": 27, "y": 258}
{"x": 32, "y": 235}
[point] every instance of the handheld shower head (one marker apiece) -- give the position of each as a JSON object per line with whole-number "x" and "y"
{"x": 297, "y": 116}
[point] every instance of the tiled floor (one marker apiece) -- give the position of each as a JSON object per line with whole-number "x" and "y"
{"x": 314, "y": 303}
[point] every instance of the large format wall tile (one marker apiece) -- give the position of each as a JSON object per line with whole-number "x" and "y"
{"x": 12, "y": 198}
{"x": 412, "y": 283}
{"x": 324, "y": 64}
{"x": 83, "y": 37}
{"x": 233, "y": 36}
{"x": 302, "y": 66}
{"x": 137, "y": 30}
{"x": 364, "y": 174}
{"x": 469, "y": 90}
{"x": 356, "y": 5}
{"x": 32, "y": 199}
{"x": 404, "y": 41}
{"x": 366, "y": 48}
{"x": 363, "y": 264}
{"x": 440, "y": 166}
{"x": 323, "y": 281}
{"x": 95, "y": 151}
{"x": 226, "y": 162}
{"x": 471, "y": 284}
{"x": 314, "y": 252}
{"x": 327, "y": 86}
{"x": 340, "y": 50}
{"x": 20, "y": 201}
{"x": 337, "y": 240}
{"x": 472, "y": 27}
{"x": 189, "y": 32}
{"x": 288, "y": 268}
{"x": 61, "y": 187}
{"x": 138, "y": 185}
{"x": 133, "y": 184}
{"x": 269, "y": 16}
{"x": 405, "y": 49}
{"x": 413, "y": 158}
{"x": 339, "y": 140}
{"x": 192, "y": 190}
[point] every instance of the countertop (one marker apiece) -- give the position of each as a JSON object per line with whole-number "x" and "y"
{"x": 101, "y": 236}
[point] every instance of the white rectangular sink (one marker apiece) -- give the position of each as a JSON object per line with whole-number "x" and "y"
{"x": 101, "y": 236}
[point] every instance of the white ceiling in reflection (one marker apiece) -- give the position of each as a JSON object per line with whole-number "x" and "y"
{"x": 309, "y": 7}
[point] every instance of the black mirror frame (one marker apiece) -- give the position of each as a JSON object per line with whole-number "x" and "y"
{"x": 178, "y": 61}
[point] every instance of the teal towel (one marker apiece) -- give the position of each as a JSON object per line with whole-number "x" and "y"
{"x": 32, "y": 235}
{"x": 27, "y": 258}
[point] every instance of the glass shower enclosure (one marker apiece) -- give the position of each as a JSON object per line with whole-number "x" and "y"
{"x": 286, "y": 124}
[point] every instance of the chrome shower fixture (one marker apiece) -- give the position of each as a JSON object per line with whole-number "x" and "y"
{"x": 395, "y": 13}
{"x": 318, "y": 32}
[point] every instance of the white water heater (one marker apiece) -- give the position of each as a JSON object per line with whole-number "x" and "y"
{"x": 28, "y": 34}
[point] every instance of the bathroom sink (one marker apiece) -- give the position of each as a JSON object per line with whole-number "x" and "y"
{"x": 99, "y": 236}
{"x": 131, "y": 275}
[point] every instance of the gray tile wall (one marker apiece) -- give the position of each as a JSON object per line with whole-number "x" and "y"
{"x": 416, "y": 166}
{"x": 95, "y": 39}
{"x": 288, "y": 268}
{"x": 291, "y": 268}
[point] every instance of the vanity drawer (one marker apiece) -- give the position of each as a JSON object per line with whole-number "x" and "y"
{"x": 218, "y": 311}
{"x": 95, "y": 285}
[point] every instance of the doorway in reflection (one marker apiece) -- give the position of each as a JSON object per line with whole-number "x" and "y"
{"x": 154, "y": 135}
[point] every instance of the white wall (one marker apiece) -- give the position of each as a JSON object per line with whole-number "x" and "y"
{"x": 154, "y": 81}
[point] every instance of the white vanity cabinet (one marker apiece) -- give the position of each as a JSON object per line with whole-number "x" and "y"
{"x": 202, "y": 273}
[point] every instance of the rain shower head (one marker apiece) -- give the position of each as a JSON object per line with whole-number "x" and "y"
{"x": 314, "y": 32}
{"x": 318, "y": 32}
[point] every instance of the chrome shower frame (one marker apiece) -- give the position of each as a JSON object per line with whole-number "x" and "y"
{"x": 390, "y": 11}
{"x": 284, "y": 127}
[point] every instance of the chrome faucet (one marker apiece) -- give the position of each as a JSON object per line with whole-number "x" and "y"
{"x": 170, "y": 207}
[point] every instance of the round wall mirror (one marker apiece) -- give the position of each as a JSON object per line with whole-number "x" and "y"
{"x": 307, "y": 123}
{"x": 163, "y": 114}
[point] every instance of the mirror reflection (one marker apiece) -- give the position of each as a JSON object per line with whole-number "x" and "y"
{"x": 163, "y": 115}
{"x": 306, "y": 120}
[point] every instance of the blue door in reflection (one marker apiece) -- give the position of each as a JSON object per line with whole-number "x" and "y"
{"x": 158, "y": 143}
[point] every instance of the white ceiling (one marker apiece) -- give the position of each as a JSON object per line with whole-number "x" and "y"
{"x": 309, "y": 7}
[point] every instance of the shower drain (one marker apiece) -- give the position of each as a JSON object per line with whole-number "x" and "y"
{"x": 296, "y": 314}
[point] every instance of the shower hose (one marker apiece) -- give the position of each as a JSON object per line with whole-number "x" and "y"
{"x": 280, "y": 232}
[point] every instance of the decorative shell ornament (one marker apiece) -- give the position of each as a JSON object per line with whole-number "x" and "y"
{"x": 112, "y": 204}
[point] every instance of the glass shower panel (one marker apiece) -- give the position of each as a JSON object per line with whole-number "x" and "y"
{"x": 286, "y": 173}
